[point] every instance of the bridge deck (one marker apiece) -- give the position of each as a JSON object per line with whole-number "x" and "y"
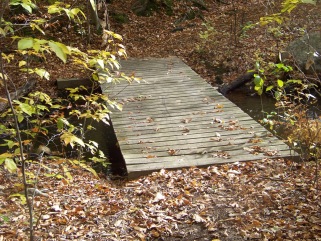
{"x": 174, "y": 119}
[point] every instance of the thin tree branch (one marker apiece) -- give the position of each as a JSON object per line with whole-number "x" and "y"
{"x": 22, "y": 158}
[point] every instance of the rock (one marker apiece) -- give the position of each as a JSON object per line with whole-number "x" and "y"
{"x": 306, "y": 52}
{"x": 43, "y": 150}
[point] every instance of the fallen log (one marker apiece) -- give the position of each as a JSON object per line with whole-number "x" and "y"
{"x": 236, "y": 83}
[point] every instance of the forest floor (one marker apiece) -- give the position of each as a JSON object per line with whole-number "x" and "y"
{"x": 264, "y": 200}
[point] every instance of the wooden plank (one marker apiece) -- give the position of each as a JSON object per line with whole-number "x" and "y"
{"x": 196, "y": 146}
{"x": 157, "y": 91}
{"x": 208, "y": 137}
{"x": 181, "y": 134}
{"x": 137, "y": 169}
{"x": 178, "y": 104}
{"x": 228, "y": 156}
{"x": 141, "y": 112}
{"x": 219, "y": 121}
{"x": 130, "y": 91}
{"x": 145, "y": 136}
{"x": 174, "y": 119}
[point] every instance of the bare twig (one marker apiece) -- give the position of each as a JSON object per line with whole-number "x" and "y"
{"x": 22, "y": 158}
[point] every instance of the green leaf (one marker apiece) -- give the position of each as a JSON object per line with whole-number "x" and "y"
{"x": 36, "y": 26}
{"x": 56, "y": 106}
{"x": 59, "y": 51}
{"x": 20, "y": 118}
{"x": 42, "y": 73}
{"x": 67, "y": 11}
{"x": 21, "y": 196}
{"x": 10, "y": 143}
{"x": 17, "y": 151}
{"x": 95, "y": 76}
{"x": 42, "y": 107}
{"x": 25, "y": 43}
{"x": 3, "y": 32}
{"x": 277, "y": 95}
{"x": 309, "y": 1}
{"x": 64, "y": 47}
{"x": 28, "y": 109}
{"x": 61, "y": 122}
{"x": 53, "y": 9}
{"x": 284, "y": 67}
{"x": 269, "y": 88}
{"x": 27, "y": 7}
{"x": 259, "y": 92}
{"x": 10, "y": 165}
{"x": 258, "y": 81}
{"x": 294, "y": 81}
{"x": 39, "y": 42}
{"x": 257, "y": 88}
{"x": 280, "y": 83}
{"x": 4, "y": 156}
{"x": 75, "y": 12}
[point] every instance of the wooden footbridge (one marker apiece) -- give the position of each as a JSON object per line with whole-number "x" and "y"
{"x": 174, "y": 119}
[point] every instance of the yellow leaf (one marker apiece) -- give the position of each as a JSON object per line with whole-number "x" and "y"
{"x": 10, "y": 165}
{"x": 69, "y": 138}
{"x": 3, "y": 100}
{"x": 22, "y": 63}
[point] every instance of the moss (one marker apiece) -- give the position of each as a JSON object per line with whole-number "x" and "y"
{"x": 146, "y": 7}
{"x": 168, "y": 7}
{"x": 120, "y": 17}
{"x": 143, "y": 7}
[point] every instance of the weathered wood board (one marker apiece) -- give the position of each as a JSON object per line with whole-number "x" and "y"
{"x": 174, "y": 119}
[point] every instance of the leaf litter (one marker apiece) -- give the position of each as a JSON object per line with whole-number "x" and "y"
{"x": 265, "y": 200}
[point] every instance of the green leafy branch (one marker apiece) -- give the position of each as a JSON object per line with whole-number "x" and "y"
{"x": 28, "y": 5}
{"x": 72, "y": 13}
{"x": 287, "y": 7}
